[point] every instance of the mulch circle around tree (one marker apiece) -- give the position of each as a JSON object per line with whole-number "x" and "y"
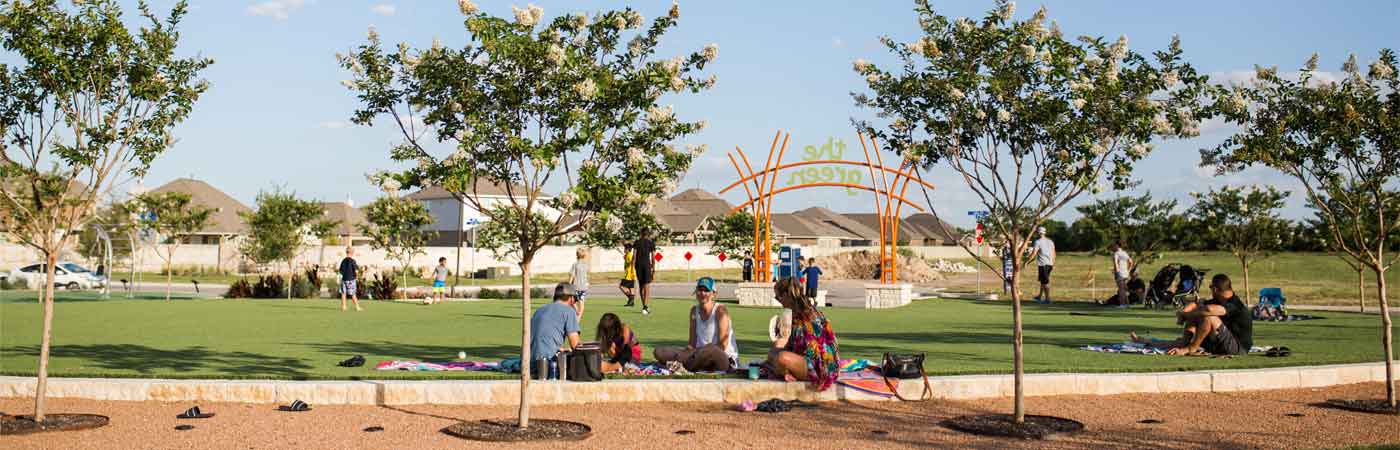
{"x": 880, "y": 432}
{"x": 685, "y": 432}
{"x": 1294, "y": 414}
{"x": 1373, "y": 406}
{"x": 1035, "y": 427}
{"x": 505, "y": 430}
{"x": 1151, "y": 421}
{"x": 184, "y": 427}
{"x": 52, "y": 422}
{"x": 374, "y": 429}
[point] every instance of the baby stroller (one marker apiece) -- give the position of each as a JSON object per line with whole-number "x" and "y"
{"x": 1188, "y": 285}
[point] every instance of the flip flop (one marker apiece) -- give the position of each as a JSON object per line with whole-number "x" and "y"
{"x": 296, "y": 406}
{"x": 194, "y": 413}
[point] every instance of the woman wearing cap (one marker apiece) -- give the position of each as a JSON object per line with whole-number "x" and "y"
{"x": 712, "y": 347}
{"x": 808, "y": 350}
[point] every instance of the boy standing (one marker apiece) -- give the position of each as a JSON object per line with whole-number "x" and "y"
{"x": 628, "y": 285}
{"x": 578, "y": 279}
{"x": 439, "y": 280}
{"x": 643, "y": 250}
{"x": 812, "y": 273}
{"x": 348, "y": 270}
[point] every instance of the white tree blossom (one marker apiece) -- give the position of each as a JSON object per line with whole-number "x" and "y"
{"x": 711, "y": 52}
{"x": 586, "y": 89}
{"x": 467, "y": 7}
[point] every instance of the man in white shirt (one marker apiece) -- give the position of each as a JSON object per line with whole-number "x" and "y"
{"x": 1044, "y": 251}
{"x": 1122, "y": 268}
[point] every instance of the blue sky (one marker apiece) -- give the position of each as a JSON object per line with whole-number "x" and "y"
{"x": 277, "y": 116}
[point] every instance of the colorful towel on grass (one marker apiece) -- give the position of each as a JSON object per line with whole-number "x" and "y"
{"x": 867, "y": 381}
{"x": 856, "y": 365}
{"x": 1143, "y": 349}
{"x": 421, "y": 366}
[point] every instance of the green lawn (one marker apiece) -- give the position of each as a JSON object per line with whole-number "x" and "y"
{"x": 1306, "y": 278}
{"x": 156, "y": 280}
{"x": 303, "y": 339}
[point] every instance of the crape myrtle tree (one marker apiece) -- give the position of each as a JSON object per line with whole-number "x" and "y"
{"x": 1341, "y": 141}
{"x": 1146, "y": 227}
{"x": 279, "y": 228}
{"x": 1243, "y": 221}
{"x": 574, "y": 101}
{"x": 171, "y": 216}
{"x": 733, "y": 235}
{"x": 1025, "y": 117}
{"x": 395, "y": 225}
{"x": 83, "y": 101}
{"x": 1319, "y": 228}
{"x": 635, "y": 216}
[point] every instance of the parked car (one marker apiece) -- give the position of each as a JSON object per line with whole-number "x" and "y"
{"x": 67, "y": 275}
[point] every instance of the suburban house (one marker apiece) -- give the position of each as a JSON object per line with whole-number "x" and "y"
{"x": 451, "y": 215}
{"x": 225, "y": 222}
{"x": 687, "y": 214}
{"x": 685, "y": 227}
{"x": 858, "y": 234}
{"x": 920, "y": 232}
{"x": 933, "y": 230}
{"x": 347, "y": 231}
{"x": 791, "y": 228}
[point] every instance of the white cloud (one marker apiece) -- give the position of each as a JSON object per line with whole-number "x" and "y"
{"x": 1247, "y": 76}
{"x": 384, "y": 9}
{"x": 277, "y": 9}
{"x": 334, "y": 125}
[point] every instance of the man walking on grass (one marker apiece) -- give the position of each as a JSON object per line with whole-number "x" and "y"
{"x": 348, "y": 269}
{"x": 1044, "y": 250}
{"x": 643, "y": 251}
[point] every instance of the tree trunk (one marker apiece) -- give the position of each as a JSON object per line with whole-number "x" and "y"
{"x": 169, "y": 271}
{"x": 41, "y": 386}
{"x": 1386, "y": 342}
{"x": 1016, "y": 355}
{"x": 1361, "y": 287}
{"x": 525, "y": 357}
{"x": 1244, "y": 267}
{"x": 290, "y": 273}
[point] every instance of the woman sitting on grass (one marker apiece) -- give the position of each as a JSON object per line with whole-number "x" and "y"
{"x": 618, "y": 343}
{"x": 808, "y": 349}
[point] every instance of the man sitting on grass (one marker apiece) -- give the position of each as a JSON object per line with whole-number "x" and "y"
{"x": 1219, "y": 326}
{"x": 551, "y": 328}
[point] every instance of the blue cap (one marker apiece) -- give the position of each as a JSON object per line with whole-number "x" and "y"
{"x": 705, "y": 283}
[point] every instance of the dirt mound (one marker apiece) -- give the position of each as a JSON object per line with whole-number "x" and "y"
{"x": 865, "y": 265}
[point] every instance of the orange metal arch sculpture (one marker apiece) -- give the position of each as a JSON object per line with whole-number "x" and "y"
{"x": 764, "y": 183}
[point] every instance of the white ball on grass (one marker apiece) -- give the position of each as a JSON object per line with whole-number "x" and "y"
{"x": 461, "y": 355}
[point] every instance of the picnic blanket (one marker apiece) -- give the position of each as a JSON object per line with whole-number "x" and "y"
{"x": 868, "y": 381}
{"x": 421, "y": 366}
{"x": 856, "y": 365}
{"x": 1144, "y": 349}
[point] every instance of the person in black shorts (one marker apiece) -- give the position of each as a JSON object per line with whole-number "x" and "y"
{"x": 1219, "y": 326}
{"x": 644, "y": 250}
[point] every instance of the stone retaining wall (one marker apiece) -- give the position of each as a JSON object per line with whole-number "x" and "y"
{"x": 503, "y": 392}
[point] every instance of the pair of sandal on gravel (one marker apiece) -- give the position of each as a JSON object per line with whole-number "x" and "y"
{"x": 196, "y": 413}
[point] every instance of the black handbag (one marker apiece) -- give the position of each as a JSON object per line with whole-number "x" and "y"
{"x": 585, "y": 364}
{"x": 905, "y": 367}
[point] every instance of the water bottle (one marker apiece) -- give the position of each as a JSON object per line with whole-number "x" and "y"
{"x": 553, "y": 369}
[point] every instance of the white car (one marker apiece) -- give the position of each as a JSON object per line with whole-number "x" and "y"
{"x": 67, "y": 275}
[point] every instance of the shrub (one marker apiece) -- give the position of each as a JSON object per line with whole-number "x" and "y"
{"x": 270, "y": 286}
{"x": 382, "y": 287}
{"x": 239, "y": 289}
{"x": 314, "y": 277}
{"x": 302, "y": 288}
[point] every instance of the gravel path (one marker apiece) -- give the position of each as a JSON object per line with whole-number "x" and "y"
{"x": 1231, "y": 421}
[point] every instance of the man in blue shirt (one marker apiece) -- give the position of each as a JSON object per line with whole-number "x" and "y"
{"x": 812, "y": 273}
{"x": 551, "y": 326}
